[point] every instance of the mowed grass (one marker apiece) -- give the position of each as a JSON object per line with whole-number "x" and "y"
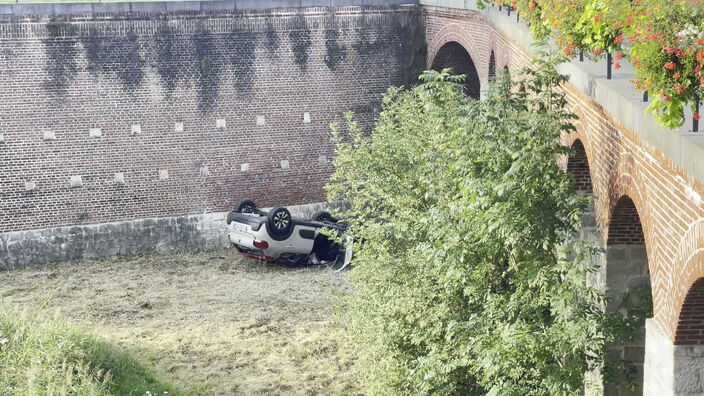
{"x": 201, "y": 323}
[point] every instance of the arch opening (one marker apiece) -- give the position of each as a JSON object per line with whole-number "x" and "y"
{"x": 627, "y": 284}
{"x": 689, "y": 338}
{"x": 492, "y": 66}
{"x": 453, "y": 55}
{"x": 578, "y": 167}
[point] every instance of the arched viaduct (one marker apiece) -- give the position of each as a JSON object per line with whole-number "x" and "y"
{"x": 648, "y": 211}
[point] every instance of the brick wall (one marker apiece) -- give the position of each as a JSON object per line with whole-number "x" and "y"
{"x": 114, "y": 117}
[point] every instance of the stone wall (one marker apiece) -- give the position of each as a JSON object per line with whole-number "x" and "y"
{"x": 196, "y": 232}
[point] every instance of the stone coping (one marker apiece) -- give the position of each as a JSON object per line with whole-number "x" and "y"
{"x": 182, "y": 6}
{"x": 617, "y": 96}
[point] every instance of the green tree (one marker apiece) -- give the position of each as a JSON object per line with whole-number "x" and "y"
{"x": 468, "y": 279}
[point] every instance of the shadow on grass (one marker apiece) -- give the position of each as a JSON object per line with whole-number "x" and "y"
{"x": 42, "y": 354}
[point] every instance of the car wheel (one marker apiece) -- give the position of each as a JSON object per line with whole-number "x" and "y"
{"x": 324, "y": 217}
{"x": 280, "y": 221}
{"x": 245, "y": 206}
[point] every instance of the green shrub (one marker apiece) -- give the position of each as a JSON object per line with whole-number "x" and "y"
{"x": 46, "y": 356}
{"x": 468, "y": 280}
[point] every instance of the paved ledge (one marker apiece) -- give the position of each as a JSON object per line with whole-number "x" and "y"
{"x": 182, "y": 6}
{"x": 617, "y": 96}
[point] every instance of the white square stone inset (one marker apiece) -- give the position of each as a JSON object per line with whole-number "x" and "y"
{"x": 95, "y": 132}
{"x": 220, "y": 123}
{"x": 136, "y": 129}
{"x": 2, "y": 137}
{"x": 244, "y": 167}
{"x": 49, "y": 135}
{"x": 306, "y": 118}
{"x": 204, "y": 171}
{"x": 29, "y": 186}
{"x": 261, "y": 120}
{"x": 76, "y": 181}
{"x": 119, "y": 178}
{"x": 163, "y": 174}
{"x": 178, "y": 126}
{"x": 322, "y": 160}
{"x": 284, "y": 164}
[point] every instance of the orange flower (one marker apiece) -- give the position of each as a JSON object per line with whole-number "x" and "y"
{"x": 677, "y": 75}
{"x": 597, "y": 17}
{"x": 618, "y": 39}
{"x": 598, "y": 51}
{"x": 629, "y": 19}
{"x": 619, "y": 56}
{"x": 670, "y": 65}
{"x": 696, "y": 116}
{"x": 617, "y": 65}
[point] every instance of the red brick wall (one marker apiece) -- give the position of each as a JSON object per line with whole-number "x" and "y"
{"x": 667, "y": 200}
{"x": 139, "y": 77}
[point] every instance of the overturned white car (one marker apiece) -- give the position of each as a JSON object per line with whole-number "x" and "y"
{"x": 277, "y": 236}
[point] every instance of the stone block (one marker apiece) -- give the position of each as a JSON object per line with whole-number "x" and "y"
{"x": 217, "y": 5}
{"x": 178, "y": 126}
{"x": 2, "y": 138}
{"x": 284, "y": 164}
{"x": 616, "y": 253}
{"x": 151, "y": 6}
{"x": 30, "y": 186}
{"x": 119, "y": 178}
{"x": 244, "y": 167}
{"x": 163, "y": 174}
{"x": 220, "y": 123}
{"x": 95, "y": 132}
{"x": 191, "y": 6}
{"x": 322, "y": 160}
{"x": 261, "y": 120}
{"x": 49, "y": 135}
{"x": 136, "y": 129}
{"x": 306, "y": 118}
{"x": 76, "y": 181}
{"x": 204, "y": 171}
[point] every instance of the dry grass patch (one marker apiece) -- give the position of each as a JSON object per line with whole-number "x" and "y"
{"x": 211, "y": 322}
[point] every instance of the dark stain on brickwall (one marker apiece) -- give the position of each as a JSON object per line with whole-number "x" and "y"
{"x": 60, "y": 49}
{"x": 61, "y": 65}
{"x": 300, "y": 42}
{"x": 169, "y": 65}
{"x": 334, "y": 52}
{"x": 208, "y": 72}
{"x": 240, "y": 46}
{"x": 272, "y": 41}
{"x": 118, "y": 55}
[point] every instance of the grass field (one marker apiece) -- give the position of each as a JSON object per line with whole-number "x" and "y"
{"x": 206, "y": 323}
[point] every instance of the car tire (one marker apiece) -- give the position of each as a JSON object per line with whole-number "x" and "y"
{"x": 324, "y": 216}
{"x": 279, "y": 222}
{"x": 245, "y": 206}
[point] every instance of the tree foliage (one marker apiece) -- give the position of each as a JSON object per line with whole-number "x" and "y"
{"x": 468, "y": 279}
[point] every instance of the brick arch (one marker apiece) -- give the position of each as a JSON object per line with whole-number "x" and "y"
{"x": 688, "y": 269}
{"x": 454, "y": 32}
{"x": 578, "y": 166}
{"x": 690, "y": 326}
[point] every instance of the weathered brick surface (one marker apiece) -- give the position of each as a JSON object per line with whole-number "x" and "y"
{"x": 667, "y": 200}
{"x": 116, "y": 117}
